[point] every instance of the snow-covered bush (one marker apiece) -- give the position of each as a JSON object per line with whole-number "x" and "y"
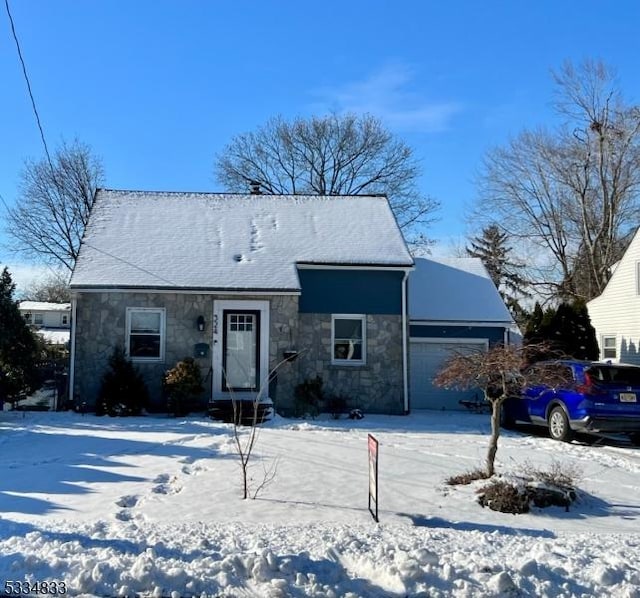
{"x": 555, "y": 486}
{"x": 462, "y": 479}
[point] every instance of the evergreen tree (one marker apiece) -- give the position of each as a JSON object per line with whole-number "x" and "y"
{"x": 574, "y": 333}
{"x": 492, "y": 249}
{"x": 123, "y": 390}
{"x": 534, "y": 332}
{"x": 19, "y": 348}
{"x": 567, "y": 330}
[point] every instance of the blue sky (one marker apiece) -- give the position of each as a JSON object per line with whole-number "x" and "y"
{"x": 157, "y": 88}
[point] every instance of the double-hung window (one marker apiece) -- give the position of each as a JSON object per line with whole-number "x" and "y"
{"x": 609, "y": 347}
{"x": 145, "y": 333}
{"x": 348, "y": 339}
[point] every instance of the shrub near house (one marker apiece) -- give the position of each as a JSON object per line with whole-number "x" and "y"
{"x": 183, "y": 385}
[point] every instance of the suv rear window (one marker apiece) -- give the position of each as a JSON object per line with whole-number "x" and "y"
{"x": 624, "y": 376}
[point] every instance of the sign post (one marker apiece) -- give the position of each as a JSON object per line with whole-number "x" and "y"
{"x": 373, "y": 476}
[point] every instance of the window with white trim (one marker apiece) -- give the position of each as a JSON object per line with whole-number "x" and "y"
{"x": 609, "y": 347}
{"x": 145, "y": 333}
{"x": 348, "y": 339}
{"x": 38, "y": 319}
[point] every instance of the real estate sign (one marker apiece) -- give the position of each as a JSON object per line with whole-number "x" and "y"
{"x": 373, "y": 476}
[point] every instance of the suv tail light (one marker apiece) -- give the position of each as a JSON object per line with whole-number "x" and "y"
{"x": 589, "y": 387}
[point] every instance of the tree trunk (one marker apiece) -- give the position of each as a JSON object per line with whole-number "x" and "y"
{"x": 495, "y": 433}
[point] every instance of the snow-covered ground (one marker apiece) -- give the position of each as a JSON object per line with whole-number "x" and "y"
{"x": 151, "y": 506}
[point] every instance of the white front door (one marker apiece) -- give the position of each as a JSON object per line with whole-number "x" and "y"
{"x": 240, "y": 347}
{"x": 241, "y": 350}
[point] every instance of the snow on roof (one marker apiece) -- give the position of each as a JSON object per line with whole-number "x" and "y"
{"x": 43, "y": 306}
{"x": 225, "y": 241}
{"x": 54, "y": 337}
{"x": 454, "y": 289}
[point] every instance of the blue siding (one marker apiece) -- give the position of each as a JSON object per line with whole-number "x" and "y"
{"x": 494, "y": 334}
{"x": 351, "y": 291}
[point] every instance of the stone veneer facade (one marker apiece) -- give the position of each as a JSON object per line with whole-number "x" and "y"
{"x": 100, "y": 327}
{"x": 376, "y": 387}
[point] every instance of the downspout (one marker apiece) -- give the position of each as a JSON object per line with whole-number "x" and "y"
{"x": 72, "y": 352}
{"x": 405, "y": 372}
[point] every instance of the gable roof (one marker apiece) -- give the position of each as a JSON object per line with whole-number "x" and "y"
{"x": 622, "y": 284}
{"x": 455, "y": 290}
{"x": 162, "y": 240}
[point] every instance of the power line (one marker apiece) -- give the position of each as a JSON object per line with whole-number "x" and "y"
{"x": 26, "y": 78}
{"x": 128, "y": 263}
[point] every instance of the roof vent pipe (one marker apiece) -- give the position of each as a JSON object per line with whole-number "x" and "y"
{"x": 255, "y": 188}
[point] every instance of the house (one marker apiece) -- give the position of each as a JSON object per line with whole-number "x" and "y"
{"x": 52, "y": 321}
{"x": 615, "y": 314}
{"x": 241, "y": 283}
{"x": 454, "y": 306}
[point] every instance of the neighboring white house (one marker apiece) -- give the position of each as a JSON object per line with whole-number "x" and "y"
{"x": 615, "y": 314}
{"x": 52, "y": 320}
{"x": 453, "y": 307}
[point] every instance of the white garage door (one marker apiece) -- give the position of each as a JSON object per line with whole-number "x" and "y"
{"x": 426, "y": 360}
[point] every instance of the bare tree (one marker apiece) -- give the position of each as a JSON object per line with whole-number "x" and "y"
{"x": 330, "y": 155}
{"x": 53, "y": 288}
{"x": 571, "y": 191}
{"x": 248, "y": 414}
{"x": 54, "y": 204}
{"x": 501, "y": 373}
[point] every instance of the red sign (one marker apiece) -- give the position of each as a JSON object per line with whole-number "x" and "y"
{"x": 373, "y": 476}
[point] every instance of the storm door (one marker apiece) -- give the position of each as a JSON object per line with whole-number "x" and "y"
{"x": 241, "y": 350}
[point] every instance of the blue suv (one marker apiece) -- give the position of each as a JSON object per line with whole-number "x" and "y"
{"x": 597, "y": 397}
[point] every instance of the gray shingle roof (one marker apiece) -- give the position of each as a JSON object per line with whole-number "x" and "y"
{"x": 225, "y": 241}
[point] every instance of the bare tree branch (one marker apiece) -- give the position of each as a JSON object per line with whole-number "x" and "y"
{"x": 49, "y": 219}
{"x": 500, "y": 373}
{"x": 572, "y": 191}
{"x": 332, "y": 155}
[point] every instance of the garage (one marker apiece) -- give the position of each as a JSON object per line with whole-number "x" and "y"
{"x": 427, "y": 357}
{"x": 453, "y": 307}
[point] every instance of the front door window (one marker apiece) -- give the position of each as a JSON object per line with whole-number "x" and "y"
{"x": 241, "y": 345}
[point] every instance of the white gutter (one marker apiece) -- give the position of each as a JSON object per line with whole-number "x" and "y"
{"x": 405, "y": 372}
{"x": 72, "y": 352}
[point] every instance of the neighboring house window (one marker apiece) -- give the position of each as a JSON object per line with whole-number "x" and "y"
{"x": 65, "y": 319}
{"x": 145, "y": 333}
{"x": 38, "y": 319}
{"x": 27, "y": 317}
{"x": 609, "y": 347}
{"x": 348, "y": 339}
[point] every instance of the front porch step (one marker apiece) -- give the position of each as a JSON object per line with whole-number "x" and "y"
{"x": 244, "y": 412}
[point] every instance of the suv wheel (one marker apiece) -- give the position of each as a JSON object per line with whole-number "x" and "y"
{"x": 559, "y": 425}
